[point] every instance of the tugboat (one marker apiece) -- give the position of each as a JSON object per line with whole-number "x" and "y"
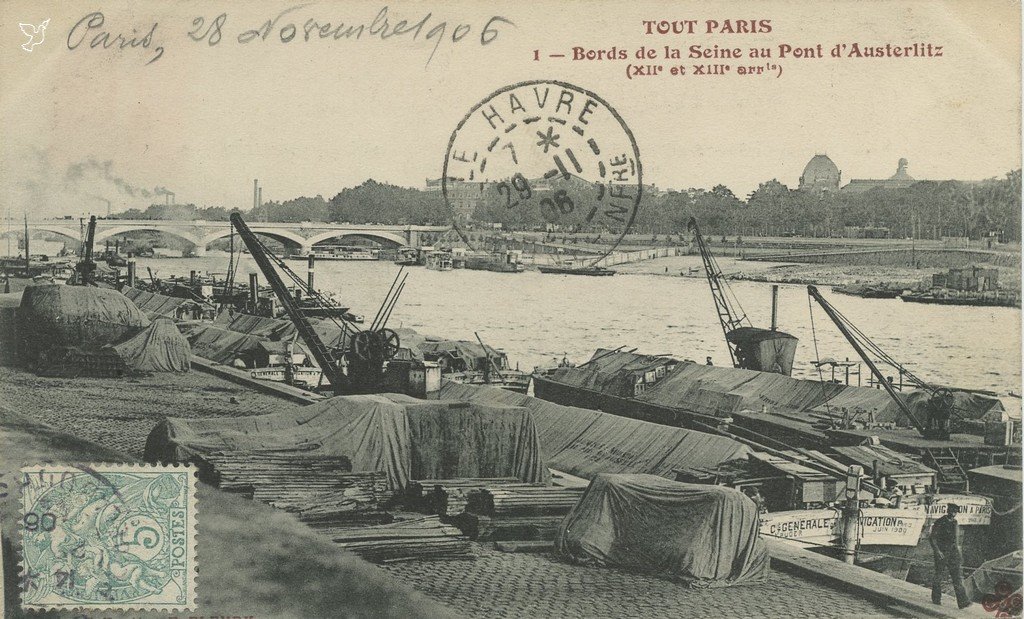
{"x": 499, "y": 262}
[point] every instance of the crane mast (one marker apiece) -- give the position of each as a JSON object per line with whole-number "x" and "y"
{"x": 937, "y": 426}
{"x": 730, "y": 318}
{"x": 87, "y": 267}
{"x": 329, "y": 363}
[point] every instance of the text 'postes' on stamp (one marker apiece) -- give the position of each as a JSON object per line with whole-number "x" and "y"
{"x": 108, "y": 536}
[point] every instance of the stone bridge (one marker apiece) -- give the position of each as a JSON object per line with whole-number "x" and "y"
{"x": 200, "y": 234}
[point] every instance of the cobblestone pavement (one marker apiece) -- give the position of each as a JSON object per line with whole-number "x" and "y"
{"x": 120, "y": 412}
{"x": 500, "y": 584}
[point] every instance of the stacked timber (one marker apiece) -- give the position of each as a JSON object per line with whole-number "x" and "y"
{"x": 420, "y": 538}
{"x": 320, "y": 490}
{"x": 528, "y": 512}
{"x": 448, "y": 497}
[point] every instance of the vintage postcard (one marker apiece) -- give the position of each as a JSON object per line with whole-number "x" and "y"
{"x": 524, "y": 309}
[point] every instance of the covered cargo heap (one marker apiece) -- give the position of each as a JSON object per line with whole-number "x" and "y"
{"x": 656, "y": 386}
{"x": 706, "y": 536}
{"x": 83, "y": 330}
{"x": 586, "y": 442}
{"x": 398, "y": 435}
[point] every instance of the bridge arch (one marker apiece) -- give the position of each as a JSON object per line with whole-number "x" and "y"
{"x": 181, "y": 234}
{"x": 66, "y": 232}
{"x": 284, "y": 236}
{"x": 389, "y": 239}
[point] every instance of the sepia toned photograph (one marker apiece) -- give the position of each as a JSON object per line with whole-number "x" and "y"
{"x": 542, "y": 309}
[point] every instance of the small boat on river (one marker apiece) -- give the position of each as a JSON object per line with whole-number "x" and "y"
{"x": 583, "y": 270}
{"x": 868, "y": 292}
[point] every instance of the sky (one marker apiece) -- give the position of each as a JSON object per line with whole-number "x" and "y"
{"x": 82, "y": 126}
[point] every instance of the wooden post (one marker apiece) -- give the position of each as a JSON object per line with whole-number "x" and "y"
{"x": 131, "y": 272}
{"x": 310, "y": 270}
{"x": 851, "y": 514}
{"x": 775, "y": 307}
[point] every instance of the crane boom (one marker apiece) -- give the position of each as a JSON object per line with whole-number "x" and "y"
{"x": 329, "y": 364}
{"x": 730, "y": 318}
{"x": 86, "y": 268}
{"x": 844, "y": 329}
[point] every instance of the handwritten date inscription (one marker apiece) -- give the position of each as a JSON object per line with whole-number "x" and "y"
{"x": 293, "y": 26}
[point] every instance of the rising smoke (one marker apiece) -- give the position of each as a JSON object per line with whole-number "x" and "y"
{"x": 46, "y": 188}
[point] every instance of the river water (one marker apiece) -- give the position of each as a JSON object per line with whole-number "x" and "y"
{"x": 538, "y": 318}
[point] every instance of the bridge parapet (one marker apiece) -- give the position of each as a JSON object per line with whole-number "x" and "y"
{"x": 199, "y": 234}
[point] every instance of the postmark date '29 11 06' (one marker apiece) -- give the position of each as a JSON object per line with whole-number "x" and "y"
{"x": 549, "y": 146}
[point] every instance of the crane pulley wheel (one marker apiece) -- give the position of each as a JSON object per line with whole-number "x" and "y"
{"x": 942, "y": 399}
{"x": 391, "y": 342}
{"x": 380, "y": 345}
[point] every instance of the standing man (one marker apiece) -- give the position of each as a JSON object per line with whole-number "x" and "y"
{"x": 945, "y": 541}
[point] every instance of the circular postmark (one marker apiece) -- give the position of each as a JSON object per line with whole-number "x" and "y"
{"x": 548, "y": 155}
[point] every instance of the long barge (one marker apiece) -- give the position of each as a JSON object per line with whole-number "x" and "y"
{"x": 778, "y": 411}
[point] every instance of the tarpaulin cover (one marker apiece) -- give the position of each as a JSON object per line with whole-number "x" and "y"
{"x": 220, "y": 345}
{"x": 721, "y": 391}
{"x": 9, "y": 303}
{"x": 610, "y": 372}
{"x": 459, "y": 439}
{"x": 704, "y": 535}
{"x": 75, "y": 316}
{"x": 372, "y": 431}
{"x": 1000, "y": 578}
{"x": 401, "y": 436}
{"x": 157, "y": 348}
{"x": 152, "y": 304}
{"x": 269, "y": 328}
{"x": 584, "y": 442}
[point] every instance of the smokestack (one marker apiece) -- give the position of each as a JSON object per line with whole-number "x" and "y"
{"x": 775, "y": 307}
{"x": 259, "y": 202}
{"x": 255, "y": 193}
{"x": 28, "y": 256}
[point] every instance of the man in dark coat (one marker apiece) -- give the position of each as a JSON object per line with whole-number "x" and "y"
{"x": 945, "y": 541}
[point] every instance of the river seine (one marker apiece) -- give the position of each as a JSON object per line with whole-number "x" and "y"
{"x": 537, "y": 318}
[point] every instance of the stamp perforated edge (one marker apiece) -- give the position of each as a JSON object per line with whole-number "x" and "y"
{"x": 100, "y": 467}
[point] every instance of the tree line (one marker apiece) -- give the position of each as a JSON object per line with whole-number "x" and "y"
{"x": 926, "y": 209}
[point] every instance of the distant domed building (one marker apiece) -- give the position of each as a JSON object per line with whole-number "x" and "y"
{"x": 820, "y": 174}
{"x": 898, "y": 180}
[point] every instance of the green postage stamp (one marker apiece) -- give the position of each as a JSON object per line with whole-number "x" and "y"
{"x": 108, "y": 536}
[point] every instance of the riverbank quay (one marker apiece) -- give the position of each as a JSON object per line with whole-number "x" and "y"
{"x": 118, "y": 420}
{"x": 820, "y": 274}
{"x": 253, "y": 560}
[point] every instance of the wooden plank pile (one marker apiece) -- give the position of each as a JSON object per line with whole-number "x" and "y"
{"x": 420, "y": 538}
{"x": 448, "y": 497}
{"x": 528, "y": 512}
{"x": 320, "y": 490}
